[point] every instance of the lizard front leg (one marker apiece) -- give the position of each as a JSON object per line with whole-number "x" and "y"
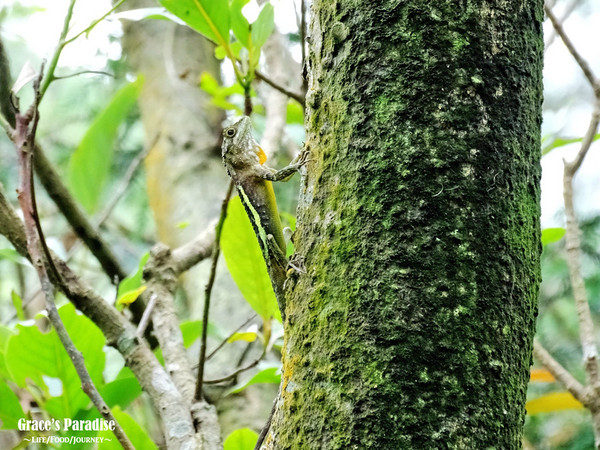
{"x": 268, "y": 173}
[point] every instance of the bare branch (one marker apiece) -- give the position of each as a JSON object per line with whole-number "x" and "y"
{"x": 24, "y": 138}
{"x": 145, "y": 320}
{"x": 193, "y": 252}
{"x": 298, "y": 97}
{"x": 586, "y": 326}
{"x": 125, "y": 182}
{"x": 69, "y": 208}
{"x": 560, "y": 373}
{"x": 208, "y": 291}
{"x": 161, "y": 280}
{"x": 232, "y": 375}
{"x": 587, "y": 71}
{"x": 224, "y": 341}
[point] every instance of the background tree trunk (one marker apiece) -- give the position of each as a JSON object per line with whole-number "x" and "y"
{"x": 187, "y": 181}
{"x": 419, "y": 227}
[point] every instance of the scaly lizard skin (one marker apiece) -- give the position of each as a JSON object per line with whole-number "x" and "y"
{"x": 244, "y": 161}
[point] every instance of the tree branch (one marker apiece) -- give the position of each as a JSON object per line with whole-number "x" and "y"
{"x": 190, "y": 254}
{"x": 573, "y": 244}
{"x": 208, "y": 291}
{"x": 298, "y": 97}
{"x": 587, "y": 71}
{"x": 238, "y": 371}
{"x": 119, "y": 333}
{"x": 560, "y": 373}
{"x": 24, "y": 138}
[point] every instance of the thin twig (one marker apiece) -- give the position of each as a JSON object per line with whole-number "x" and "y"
{"x": 573, "y": 245}
{"x": 114, "y": 200}
{"x": 84, "y": 72}
{"x": 126, "y": 181}
{"x": 145, "y": 320}
{"x": 559, "y": 372}
{"x": 578, "y": 58}
{"x": 208, "y": 291}
{"x": 49, "y": 78}
{"x": 238, "y": 371}
{"x": 24, "y": 139}
{"x": 550, "y": 37}
{"x": 59, "y": 193}
{"x": 298, "y": 97}
{"x": 224, "y": 341}
{"x": 94, "y": 23}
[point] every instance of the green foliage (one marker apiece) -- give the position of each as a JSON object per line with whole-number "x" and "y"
{"x": 18, "y": 304}
{"x": 10, "y": 408}
{"x": 37, "y": 362}
{"x": 219, "y": 94}
{"x": 242, "y": 439}
{"x": 136, "y": 434}
{"x": 561, "y": 142}
{"x": 122, "y": 390}
{"x": 34, "y": 355}
{"x": 12, "y": 255}
{"x": 550, "y": 235}
{"x": 208, "y": 17}
{"x": 218, "y": 20}
{"x": 270, "y": 375}
{"x": 192, "y": 329}
{"x": 245, "y": 262}
{"x": 90, "y": 164}
{"x": 247, "y": 336}
{"x": 131, "y": 287}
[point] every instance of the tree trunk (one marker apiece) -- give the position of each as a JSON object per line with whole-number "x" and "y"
{"x": 412, "y": 326}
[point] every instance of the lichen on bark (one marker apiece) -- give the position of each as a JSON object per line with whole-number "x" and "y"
{"x": 418, "y": 226}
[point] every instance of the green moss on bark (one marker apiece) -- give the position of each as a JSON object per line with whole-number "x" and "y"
{"x": 419, "y": 225}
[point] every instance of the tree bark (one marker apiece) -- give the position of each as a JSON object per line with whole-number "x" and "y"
{"x": 418, "y": 225}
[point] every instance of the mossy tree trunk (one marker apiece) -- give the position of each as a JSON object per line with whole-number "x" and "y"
{"x": 419, "y": 228}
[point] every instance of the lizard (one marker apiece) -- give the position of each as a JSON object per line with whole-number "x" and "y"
{"x": 244, "y": 160}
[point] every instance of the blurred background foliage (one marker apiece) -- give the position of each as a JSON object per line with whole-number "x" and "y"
{"x": 72, "y": 104}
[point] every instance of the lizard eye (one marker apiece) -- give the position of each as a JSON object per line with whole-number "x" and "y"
{"x": 230, "y": 132}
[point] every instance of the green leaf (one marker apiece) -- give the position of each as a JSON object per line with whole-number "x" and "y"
{"x": 248, "y": 336}
{"x": 10, "y": 408}
{"x": 12, "y": 255}
{"x": 294, "y": 113}
{"x": 550, "y": 235}
{"x": 270, "y": 375}
{"x": 129, "y": 297}
{"x": 18, "y": 304}
{"x": 90, "y": 164}
{"x": 136, "y": 434}
{"x": 557, "y": 401}
{"x": 208, "y": 17}
{"x": 121, "y": 391}
{"x": 242, "y": 439}
{"x": 5, "y": 334}
{"x": 264, "y": 25}
{"x": 192, "y": 329}
{"x": 33, "y": 355}
{"x": 561, "y": 142}
{"x": 133, "y": 281}
{"x": 239, "y": 23}
{"x": 219, "y": 94}
{"x": 138, "y": 14}
{"x": 245, "y": 262}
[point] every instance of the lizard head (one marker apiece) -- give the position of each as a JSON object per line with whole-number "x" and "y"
{"x": 239, "y": 148}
